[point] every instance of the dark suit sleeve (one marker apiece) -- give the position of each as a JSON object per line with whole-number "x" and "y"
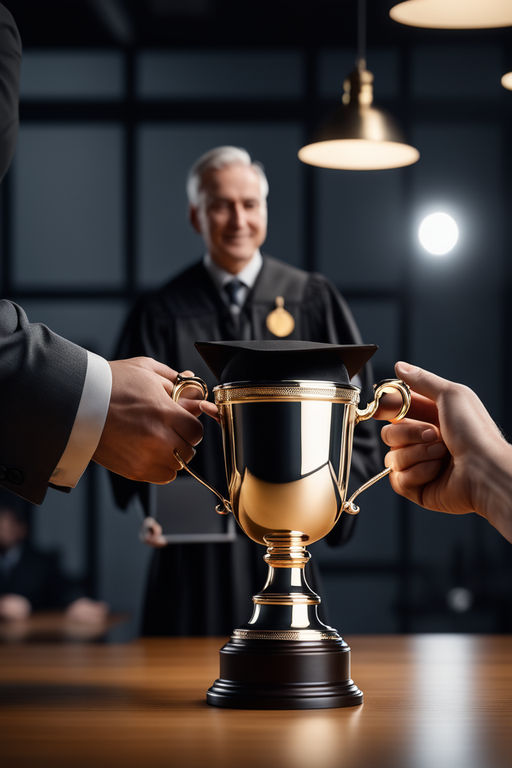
{"x": 41, "y": 381}
{"x": 10, "y": 63}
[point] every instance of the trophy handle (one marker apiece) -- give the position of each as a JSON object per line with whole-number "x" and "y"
{"x": 366, "y": 413}
{"x": 224, "y": 508}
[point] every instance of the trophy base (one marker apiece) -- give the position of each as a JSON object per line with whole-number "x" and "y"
{"x": 282, "y": 674}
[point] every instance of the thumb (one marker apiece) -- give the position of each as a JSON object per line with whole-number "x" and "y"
{"x": 424, "y": 382}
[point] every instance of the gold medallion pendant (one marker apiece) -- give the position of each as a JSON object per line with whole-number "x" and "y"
{"x": 279, "y": 321}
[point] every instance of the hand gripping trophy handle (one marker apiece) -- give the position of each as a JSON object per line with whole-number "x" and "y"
{"x": 366, "y": 413}
{"x": 182, "y": 382}
{"x": 387, "y": 385}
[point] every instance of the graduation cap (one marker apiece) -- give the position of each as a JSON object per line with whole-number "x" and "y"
{"x": 284, "y": 360}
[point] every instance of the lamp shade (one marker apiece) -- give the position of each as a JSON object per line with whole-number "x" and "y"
{"x": 358, "y": 136}
{"x": 453, "y": 14}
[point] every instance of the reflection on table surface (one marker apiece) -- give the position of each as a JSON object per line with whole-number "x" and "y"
{"x": 433, "y": 700}
{"x": 56, "y": 626}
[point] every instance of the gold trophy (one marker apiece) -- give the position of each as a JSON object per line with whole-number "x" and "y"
{"x": 287, "y": 430}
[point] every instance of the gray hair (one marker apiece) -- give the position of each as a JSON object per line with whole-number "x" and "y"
{"x": 216, "y": 158}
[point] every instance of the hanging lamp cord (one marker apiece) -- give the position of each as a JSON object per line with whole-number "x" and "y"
{"x": 361, "y": 34}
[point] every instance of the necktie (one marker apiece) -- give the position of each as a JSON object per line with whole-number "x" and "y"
{"x": 233, "y": 292}
{"x": 234, "y": 295}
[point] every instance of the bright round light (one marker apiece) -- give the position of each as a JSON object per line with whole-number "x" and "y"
{"x": 506, "y": 80}
{"x": 438, "y": 233}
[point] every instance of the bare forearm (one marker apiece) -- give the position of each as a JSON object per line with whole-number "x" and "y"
{"x": 492, "y": 474}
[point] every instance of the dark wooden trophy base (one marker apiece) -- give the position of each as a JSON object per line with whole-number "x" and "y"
{"x": 284, "y": 674}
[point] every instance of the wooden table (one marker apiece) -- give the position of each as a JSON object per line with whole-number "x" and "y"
{"x": 431, "y": 701}
{"x": 48, "y": 626}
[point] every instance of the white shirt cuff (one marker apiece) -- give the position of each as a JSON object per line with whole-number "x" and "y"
{"x": 89, "y": 422}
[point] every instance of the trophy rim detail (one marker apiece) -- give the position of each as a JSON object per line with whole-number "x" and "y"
{"x": 285, "y": 391}
{"x": 286, "y": 634}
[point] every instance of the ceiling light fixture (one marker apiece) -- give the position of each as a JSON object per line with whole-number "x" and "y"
{"x": 438, "y": 233}
{"x": 358, "y": 136}
{"x": 453, "y": 14}
{"x": 506, "y": 81}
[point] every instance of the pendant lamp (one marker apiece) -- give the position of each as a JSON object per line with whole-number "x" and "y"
{"x": 358, "y": 136}
{"x": 453, "y": 14}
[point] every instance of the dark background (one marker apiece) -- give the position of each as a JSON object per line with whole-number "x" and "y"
{"x": 118, "y": 99}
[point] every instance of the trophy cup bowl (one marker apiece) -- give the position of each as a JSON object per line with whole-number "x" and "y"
{"x": 287, "y": 449}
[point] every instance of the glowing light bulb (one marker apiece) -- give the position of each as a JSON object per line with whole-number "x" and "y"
{"x": 438, "y": 233}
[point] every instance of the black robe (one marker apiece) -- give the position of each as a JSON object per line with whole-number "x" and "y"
{"x": 197, "y": 589}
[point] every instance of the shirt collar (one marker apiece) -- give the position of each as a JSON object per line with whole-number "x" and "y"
{"x": 247, "y": 275}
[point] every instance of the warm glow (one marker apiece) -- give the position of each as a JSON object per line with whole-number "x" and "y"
{"x": 454, "y": 14}
{"x": 438, "y": 233}
{"x": 358, "y": 154}
{"x": 506, "y": 80}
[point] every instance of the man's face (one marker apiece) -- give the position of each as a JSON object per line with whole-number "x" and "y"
{"x": 232, "y": 215}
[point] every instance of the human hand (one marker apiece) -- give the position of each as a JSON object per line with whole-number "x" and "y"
{"x": 87, "y": 611}
{"x": 14, "y": 608}
{"x": 446, "y": 452}
{"x": 144, "y": 426}
{"x": 210, "y": 409}
{"x": 151, "y": 533}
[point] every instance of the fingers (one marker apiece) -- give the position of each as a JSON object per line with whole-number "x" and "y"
{"x": 412, "y": 481}
{"x": 210, "y": 409}
{"x": 192, "y": 406}
{"x": 157, "y": 367}
{"x": 401, "y": 459}
{"x": 424, "y": 382}
{"x": 421, "y": 407}
{"x": 151, "y": 533}
{"x": 186, "y": 426}
{"x": 408, "y": 431}
{"x": 168, "y": 383}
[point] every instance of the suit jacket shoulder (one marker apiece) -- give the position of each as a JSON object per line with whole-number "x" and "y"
{"x": 41, "y": 382}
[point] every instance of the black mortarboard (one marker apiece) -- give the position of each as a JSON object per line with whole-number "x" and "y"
{"x": 284, "y": 360}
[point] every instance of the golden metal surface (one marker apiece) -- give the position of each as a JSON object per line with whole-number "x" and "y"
{"x": 353, "y": 509}
{"x": 387, "y": 385}
{"x": 224, "y": 508}
{"x": 291, "y": 634}
{"x": 311, "y": 504}
{"x": 182, "y": 382}
{"x": 280, "y": 322}
{"x": 294, "y": 598}
{"x": 287, "y": 450}
{"x": 296, "y": 392}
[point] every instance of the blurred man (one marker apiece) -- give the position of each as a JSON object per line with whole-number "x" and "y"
{"x": 232, "y": 292}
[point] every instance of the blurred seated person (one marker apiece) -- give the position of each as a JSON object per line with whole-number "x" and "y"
{"x": 31, "y": 580}
{"x": 232, "y": 291}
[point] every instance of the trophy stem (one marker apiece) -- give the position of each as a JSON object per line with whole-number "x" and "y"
{"x": 286, "y": 583}
{"x": 286, "y": 607}
{"x": 286, "y": 550}
{"x": 285, "y": 657}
